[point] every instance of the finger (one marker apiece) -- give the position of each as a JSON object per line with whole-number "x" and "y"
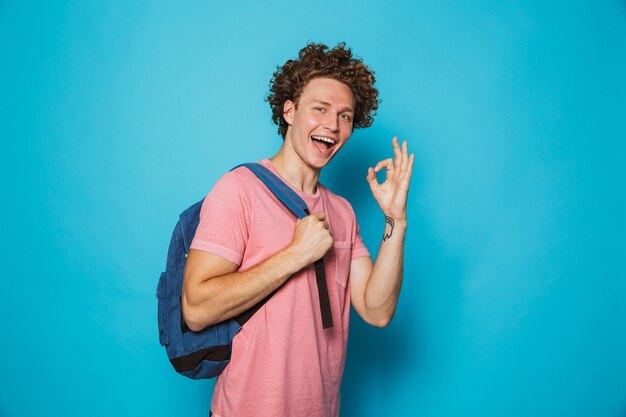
{"x": 371, "y": 176}
{"x": 396, "y": 152}
{"x": 388, "y": 165}
{"x": 385, "y": 163}
{"x": 372, "y": 180}
{"x": 409, "y": 170}
{"x": 326, "y": 225}
{"x": 405, "y": 158}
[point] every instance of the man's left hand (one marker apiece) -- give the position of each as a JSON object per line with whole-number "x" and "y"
{"x": 391, "y": 195}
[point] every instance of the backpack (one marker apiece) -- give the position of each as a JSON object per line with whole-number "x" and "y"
{"x": 205, "y": 354}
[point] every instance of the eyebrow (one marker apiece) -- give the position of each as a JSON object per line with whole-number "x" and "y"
{"x": 325, "y": 103}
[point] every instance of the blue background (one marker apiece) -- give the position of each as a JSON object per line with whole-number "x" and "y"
{"x": 115, "y": 116}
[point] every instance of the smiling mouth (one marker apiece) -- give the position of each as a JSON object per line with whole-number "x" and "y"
{"x": 323, "y": 143}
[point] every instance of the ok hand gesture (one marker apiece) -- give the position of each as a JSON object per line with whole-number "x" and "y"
{"x": 391, "y": 195}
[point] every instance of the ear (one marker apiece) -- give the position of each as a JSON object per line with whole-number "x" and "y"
{"x": 288, "y": 110}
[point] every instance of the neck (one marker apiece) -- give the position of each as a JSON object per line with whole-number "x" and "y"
{"x": 293, "y": 169}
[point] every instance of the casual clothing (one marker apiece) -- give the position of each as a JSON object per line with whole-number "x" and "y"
{"x": 282, "y": 363}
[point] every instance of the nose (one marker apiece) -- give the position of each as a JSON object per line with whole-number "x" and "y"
{"x": 331, "y": 123}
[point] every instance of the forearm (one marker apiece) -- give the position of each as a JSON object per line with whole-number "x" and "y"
{"x": 383, "y": 286}
{"x": 215, "y": 299}
{"x": 213, "y": 291}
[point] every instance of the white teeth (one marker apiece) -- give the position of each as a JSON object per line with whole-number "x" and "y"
{"x": 325, "y": 139}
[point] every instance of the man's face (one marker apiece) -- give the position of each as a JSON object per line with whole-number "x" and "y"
{"x": 322, "y": 121}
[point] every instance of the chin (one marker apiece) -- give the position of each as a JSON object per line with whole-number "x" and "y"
{"x": 319, "y": 163}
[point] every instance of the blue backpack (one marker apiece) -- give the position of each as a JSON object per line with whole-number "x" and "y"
{"x": 205, "y": 354}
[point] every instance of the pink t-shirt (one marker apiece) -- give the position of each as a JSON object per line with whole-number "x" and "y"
{"x": 282, "y": 363}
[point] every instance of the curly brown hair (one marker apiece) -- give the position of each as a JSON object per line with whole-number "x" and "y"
{"x": 314, "y": 61}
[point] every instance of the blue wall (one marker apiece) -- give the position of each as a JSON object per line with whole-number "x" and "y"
{"x": 116, "y": 115}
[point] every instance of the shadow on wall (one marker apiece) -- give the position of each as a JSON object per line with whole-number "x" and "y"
{"x": 414, "y": 352}
{"x": 377, "y": 359}
{"x": 375, "y": 356}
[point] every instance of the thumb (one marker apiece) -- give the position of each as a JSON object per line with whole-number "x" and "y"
{"x": 371, "y": 177}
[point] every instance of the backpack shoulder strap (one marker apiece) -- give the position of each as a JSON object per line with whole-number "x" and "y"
{"x": 281, "y": 190}
{"x": 298, "y": 207}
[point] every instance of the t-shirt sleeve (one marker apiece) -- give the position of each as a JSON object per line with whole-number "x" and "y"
{"x": 225, "y": 219}
{"x": 360, "y": 249}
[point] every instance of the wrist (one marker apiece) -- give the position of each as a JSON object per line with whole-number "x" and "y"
{"x": 394, "y": 227}
{"x": 295, "y": 258}
{"x": 396, "y": 220}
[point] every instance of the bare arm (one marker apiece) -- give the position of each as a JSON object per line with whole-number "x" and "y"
{"x": 375, "y": 287}
{"x": 213, "y": 289}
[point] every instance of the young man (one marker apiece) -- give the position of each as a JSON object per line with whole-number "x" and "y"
{"x": 283, "y": 363}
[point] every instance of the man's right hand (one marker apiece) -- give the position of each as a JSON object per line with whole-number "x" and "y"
{"x": 214, "y": 290}
{"x": 312, "y": 238}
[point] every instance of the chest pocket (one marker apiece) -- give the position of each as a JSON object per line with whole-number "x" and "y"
{"x": 343, "y": 257}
